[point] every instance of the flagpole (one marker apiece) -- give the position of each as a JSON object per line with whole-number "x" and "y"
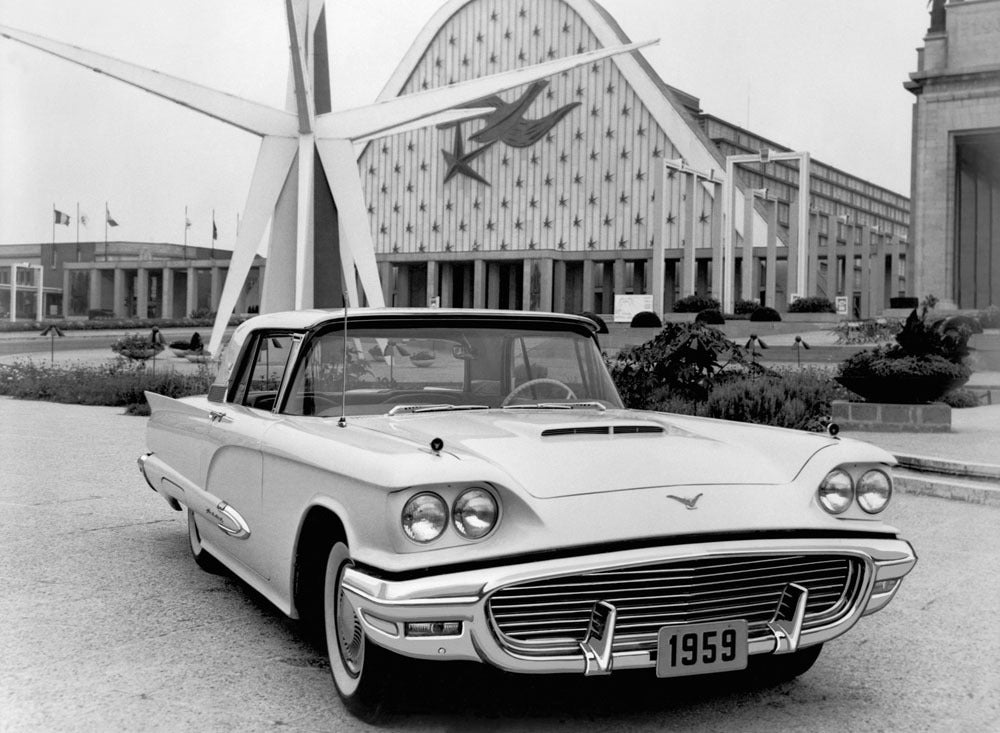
{"x": 213, "y": 234}
{"x": 185, "y": 231}
{"x": 78, "y": 222}
{"x": 107, "y": 213}
{"x": 53, "y": 223}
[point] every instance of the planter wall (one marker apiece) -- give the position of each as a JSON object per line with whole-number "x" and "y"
{"x": 887, "y": 418}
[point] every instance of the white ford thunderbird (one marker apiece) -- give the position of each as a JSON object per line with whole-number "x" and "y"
{"x": 465, "y": 485}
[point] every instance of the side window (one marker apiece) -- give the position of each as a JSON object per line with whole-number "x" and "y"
{"x": 261, "y": 377}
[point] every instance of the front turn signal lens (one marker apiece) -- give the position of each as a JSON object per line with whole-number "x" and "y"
{"x": 874, "y": 491}
{"x": 836, "y": 491}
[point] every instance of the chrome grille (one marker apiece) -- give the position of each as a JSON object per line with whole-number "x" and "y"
{"x": 549, "y": 617}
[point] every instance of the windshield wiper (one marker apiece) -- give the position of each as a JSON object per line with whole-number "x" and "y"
{"x": 559, "y": 406}
{"x": 400, "y": 409}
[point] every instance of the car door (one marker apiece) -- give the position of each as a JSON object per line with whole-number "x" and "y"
{"x": 236, "y": 464}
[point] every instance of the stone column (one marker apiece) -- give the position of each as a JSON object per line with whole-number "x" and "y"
{"x": 94, "y": 296}
{"x": 67, "y": 293}
{"x": 866, "y": 272}
{"x": 878, "y": 277}
{"x": 432, "y": 281}
{"x": 545, "y": 267}
{"x": 479, "y": 283}
{"x": 120, "y": 307}
{"x": 167, "y": 296}
{"x": 793, "y": 285}
{"x": 559, "y": 286}
{"x": 142, "y": 293}
{"x": 588, "y": 286}
{"x": 192, "y": 290}
{"x": 216, "y": 288}
{"x": 771, "y": 274}
{"x": 812, "y": 274}
{"x": 447, "y": 284}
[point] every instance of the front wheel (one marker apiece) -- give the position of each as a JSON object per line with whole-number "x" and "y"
{"x": 773, "y": 669}
{"x": 360, "y": 669}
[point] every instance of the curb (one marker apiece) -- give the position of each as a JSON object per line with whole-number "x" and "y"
{"x": 948, "y": 467}
{"x": 947, "y": 487}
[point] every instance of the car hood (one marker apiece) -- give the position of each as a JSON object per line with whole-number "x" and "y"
{"x": 554, "y": 453}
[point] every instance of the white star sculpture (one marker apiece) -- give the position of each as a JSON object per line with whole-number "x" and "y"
{"x": 284, "y": 178}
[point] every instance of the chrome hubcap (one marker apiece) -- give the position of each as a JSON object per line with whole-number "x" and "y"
{"x": 350, "y": 635}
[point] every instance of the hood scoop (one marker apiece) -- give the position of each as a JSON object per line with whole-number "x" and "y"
{"x": 604, "y": 430}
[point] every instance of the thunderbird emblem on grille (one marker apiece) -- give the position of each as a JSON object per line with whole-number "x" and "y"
{"x": 688, "y": 503}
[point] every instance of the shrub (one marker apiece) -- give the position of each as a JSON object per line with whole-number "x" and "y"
{"x": 960, "y": 398}
{"x": 799, "y": 399}
{"x": 695, "y": 304}
{"x": 683, "y": 359}
{"x": 135, "y": 346}
{"x": 602, "y": 327}
{"x": 765, "y": 313}
{"x": 201, "y": 313}
{"x": 815, "y": 304}
{"x": 745, "y": 307}
{"x": 867, "y": 331}
{"x": 117, "y": 383}
{"x": 711, "y": 317}
{"x": 646, "y": 319}
{"x": 894, "y": 362}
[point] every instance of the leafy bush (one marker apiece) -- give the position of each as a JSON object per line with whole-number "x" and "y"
{"x": 117, "y": 324}
{"x": 695, "y": 304}
{"x": 711, "y": 317}
{"x": 646, "y": 319}
{"x": 815, "y": 304}
{"x": 945, "y": 337}
{"x": 134, "y": 345}
{"x": 765, "y": 313}
{"x": 960, "y": 398}
{"x": 893, "y": 362}
{"x": 683, "y": 360}
{"x": 745, "y": 307}
{"x": 867, "y": 331}
{"x": 201, "y": 313}
{"x": 797, "y": 399}
{"x": 117, "y": 383}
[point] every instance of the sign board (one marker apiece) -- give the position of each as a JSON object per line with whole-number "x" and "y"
{"x": 627, "y": 306}
{"x": 842, "y": 305}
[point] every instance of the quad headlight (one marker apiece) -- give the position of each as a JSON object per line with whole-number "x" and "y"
{"x": 836, "y": 491}
{"x": 424, "y": 517}
{"x": 874, "y": 491}
{"x": 475, "y": 513}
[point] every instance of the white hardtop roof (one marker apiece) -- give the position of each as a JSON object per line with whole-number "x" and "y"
{"x": 305, "y": 319}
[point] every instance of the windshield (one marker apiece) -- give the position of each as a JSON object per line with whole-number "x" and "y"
{"x": 467, "y": 367}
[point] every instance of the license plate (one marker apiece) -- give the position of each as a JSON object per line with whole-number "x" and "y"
{"x": 701, "y": 648}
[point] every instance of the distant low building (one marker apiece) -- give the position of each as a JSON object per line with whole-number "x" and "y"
{"x": 116, "y": 279}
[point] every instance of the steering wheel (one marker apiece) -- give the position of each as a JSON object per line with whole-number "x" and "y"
{"x": 533, "y": 382}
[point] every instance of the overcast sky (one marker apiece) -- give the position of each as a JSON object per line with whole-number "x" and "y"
{"x": 818, "y": 75}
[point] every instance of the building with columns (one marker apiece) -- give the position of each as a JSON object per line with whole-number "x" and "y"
{"x": 119, "y": 279}
{"x": 549, "y": 201}
{"x": 956, "y": 154}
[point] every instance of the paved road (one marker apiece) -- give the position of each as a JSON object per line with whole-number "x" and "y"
{"x": 107, "y": 624}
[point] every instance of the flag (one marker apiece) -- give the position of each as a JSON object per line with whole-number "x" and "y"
{"x": 110, "y": 220}
{"x": 84, "y": 219}
{"x": 215, "y": 232}
{"x": 60, "y": 218}
{"x": 187, "y": 223}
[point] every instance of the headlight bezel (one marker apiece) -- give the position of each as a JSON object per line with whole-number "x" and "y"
{"x": 888, "y": 491}
{"x": 449, "y": 494}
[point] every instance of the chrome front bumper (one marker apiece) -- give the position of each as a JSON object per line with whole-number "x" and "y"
{"x": 386, "y": 606}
